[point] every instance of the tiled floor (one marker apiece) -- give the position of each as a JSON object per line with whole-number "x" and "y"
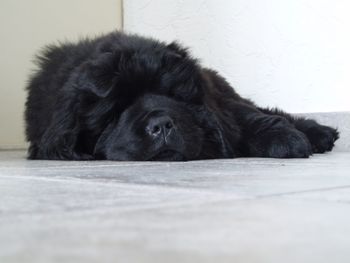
{"x": 242, "y": 210}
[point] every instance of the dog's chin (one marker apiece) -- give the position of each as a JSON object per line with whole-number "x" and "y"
{"x": 168, "y": 155}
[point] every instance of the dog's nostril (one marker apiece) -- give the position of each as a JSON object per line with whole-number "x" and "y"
{"x": 169, "y": 125}
{"x": 156, "y": 129}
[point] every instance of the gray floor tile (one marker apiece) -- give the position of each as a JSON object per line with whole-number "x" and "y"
{"x": 241, "y": 210}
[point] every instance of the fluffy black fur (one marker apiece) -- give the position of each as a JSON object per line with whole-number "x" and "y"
{"x": 125, "y": 97}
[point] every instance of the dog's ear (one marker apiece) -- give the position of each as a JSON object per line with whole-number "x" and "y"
{"x": 176, "y": 49}
{"x": 181, "y": 74}
{"x": 98, "y": 76}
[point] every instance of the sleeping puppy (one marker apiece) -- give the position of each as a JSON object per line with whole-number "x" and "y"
{"x": 125, "y": 97}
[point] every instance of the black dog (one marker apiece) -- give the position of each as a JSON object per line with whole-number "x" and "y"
{"x": 124, "y": 97}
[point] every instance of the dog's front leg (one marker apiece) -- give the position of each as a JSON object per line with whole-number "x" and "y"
{"x": 266, "y": 135}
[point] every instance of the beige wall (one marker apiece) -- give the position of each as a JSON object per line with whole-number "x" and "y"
{"x": 25, "y": 26}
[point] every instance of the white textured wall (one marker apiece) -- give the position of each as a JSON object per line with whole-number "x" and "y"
{"x": 294, "y": 54}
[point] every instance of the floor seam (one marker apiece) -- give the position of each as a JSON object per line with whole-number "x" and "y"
{"x": 304, "y": 191}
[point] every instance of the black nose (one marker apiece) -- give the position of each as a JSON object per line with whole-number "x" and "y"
{"x": 160, "y": 126}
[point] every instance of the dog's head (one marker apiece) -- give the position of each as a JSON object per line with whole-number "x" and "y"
{"x": 160, "y": 128}
{"x": 149, "y": 101}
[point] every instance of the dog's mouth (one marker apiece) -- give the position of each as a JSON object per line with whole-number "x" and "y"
{"x": 168, "y": 155}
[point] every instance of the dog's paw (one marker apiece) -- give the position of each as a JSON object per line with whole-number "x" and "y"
{"x": 281, "y": 143}
{"x": 288, "y": 143}
{"x": 322, "y": 138}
